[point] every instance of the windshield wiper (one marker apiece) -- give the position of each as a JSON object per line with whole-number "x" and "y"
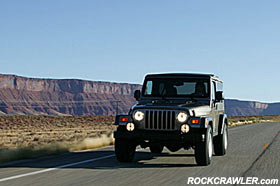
{"x": 163, "y": 96}
{"x": 193, "y": 100}
{"x": 165, "y": 99}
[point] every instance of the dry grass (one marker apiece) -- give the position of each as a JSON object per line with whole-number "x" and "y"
{"x": 24, "y": 137}
{"x": 7, "y": 155}
{"x": 31, "y": 131}
{"x": 243, "y": 120}
{"x": 34, "y": 136}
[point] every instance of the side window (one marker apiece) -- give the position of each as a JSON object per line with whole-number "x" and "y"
{"x": 213, "y": 90}
{"x": 220, "y": 86}
{"x": 149, "y": 88}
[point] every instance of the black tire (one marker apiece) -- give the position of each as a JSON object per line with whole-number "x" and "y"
{"x": 156, "y": 149}
{"x": 204, "y": 150}
{"x": 124, "y": 150}
{"x": 221, "y": 142}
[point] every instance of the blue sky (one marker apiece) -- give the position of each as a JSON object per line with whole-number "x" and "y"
{"x": 121, "y": 41}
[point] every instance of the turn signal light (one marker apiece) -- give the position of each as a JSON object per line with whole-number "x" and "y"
{"x": 195, "y": 121}
{"x": 124, "y": 119}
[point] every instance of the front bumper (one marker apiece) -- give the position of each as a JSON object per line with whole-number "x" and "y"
{"x": 191, "y": 137}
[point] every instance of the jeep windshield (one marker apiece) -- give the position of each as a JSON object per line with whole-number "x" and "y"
{"x": 176, "y": 87}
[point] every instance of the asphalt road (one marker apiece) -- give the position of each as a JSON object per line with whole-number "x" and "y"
{"x": 254, "y": 150}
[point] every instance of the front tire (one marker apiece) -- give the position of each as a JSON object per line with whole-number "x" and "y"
{"x": 124, "y": 150}
{"x": 204, "y": 150}
{"x": 221, "y": 142}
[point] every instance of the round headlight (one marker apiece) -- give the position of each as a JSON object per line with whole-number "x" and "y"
{"x": 130, "y": 127}
{"x": 139, "y": 115}
{"x": 182, "y": 117}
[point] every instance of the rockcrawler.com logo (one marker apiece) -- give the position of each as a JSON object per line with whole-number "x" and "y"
{"x": 231, "y": 181}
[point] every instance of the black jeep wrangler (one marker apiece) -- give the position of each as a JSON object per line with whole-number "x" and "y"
{"x": 175, "y": 111}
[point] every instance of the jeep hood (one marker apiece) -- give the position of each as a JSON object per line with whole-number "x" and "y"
{"x": 200, "y": 110}
{"x": 194, "y": 109}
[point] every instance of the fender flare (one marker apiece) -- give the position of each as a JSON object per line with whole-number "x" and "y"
{"x": 222, "y": 123}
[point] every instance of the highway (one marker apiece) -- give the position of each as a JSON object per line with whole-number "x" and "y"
{"x": 254, "y": 151}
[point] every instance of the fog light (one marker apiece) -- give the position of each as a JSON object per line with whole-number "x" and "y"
{"x": 130, "y": 126}
{"x": 185, "y": 128}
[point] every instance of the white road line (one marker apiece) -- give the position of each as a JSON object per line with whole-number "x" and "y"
{"x": 55, "y": 168}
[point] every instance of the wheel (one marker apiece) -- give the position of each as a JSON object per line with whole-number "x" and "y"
{"x": 124, "y": 150}
{"x": 204, "y": 150}
{"x": 221, "y": 142}
{"x": 156, "y": 149}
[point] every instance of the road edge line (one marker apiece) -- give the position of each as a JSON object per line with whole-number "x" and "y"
{"x": 55, "y": 168}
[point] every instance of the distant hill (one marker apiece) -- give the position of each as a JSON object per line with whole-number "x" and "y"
{"x": 21, "y": 95}
{"x": 249, "y": 108}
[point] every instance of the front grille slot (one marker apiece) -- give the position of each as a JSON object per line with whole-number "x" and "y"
{"x": 160, "y": 120}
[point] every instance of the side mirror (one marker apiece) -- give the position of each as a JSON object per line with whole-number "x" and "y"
{"x": 137, "y": 94}
{"x": 219, "y": 96}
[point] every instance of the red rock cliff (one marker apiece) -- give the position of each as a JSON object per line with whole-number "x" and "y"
{"x": 20, "y": 95}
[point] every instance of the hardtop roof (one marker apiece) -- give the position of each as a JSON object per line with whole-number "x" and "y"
{"x": 182, "y": 75}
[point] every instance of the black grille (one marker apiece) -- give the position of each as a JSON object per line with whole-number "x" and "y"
{"x": 160, "y": 120}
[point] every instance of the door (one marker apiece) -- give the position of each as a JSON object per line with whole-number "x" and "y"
{"x": 214, "y": 107}
{"x": 219, "y": 105}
